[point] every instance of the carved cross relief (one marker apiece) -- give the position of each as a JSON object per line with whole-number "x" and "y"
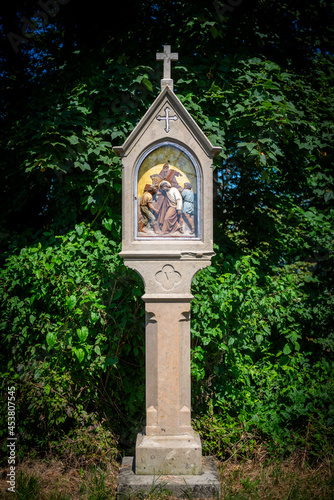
{"x": 167, "y": 118}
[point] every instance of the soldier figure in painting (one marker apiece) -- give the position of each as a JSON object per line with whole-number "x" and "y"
{"x": 188, "y": 206}
{"x": 146, "y": 209}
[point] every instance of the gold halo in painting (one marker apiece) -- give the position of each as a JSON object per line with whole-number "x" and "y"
{"x": 177, "y": 160}
{"x": 146, "y": 177}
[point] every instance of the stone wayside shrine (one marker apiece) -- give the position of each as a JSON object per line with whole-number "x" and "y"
{"x": 167, "y": 229}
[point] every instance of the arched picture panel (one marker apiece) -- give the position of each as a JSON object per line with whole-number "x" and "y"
{"x": 167, "y": 194}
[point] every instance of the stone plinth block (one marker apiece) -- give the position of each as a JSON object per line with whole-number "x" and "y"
{"x": 204, "y": 485}
{"x": 181, "y": 454}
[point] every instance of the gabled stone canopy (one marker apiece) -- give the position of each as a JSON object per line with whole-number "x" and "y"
{"x": 167, "y": 122}
{"x": 167, "y": 98}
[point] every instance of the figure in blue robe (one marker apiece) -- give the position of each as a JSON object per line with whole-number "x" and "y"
{"x": 188, "y": 212}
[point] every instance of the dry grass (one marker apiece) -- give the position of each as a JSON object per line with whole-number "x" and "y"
{"x": 55, "y": 478}
{"x": 253, "y": 479}
{"x": 290, "y": 479}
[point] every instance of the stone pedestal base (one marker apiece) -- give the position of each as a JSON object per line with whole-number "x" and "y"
{"x": 205, "y": 485}
{"x": 180, "y": 454}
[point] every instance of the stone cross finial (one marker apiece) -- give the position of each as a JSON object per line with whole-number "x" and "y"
{"x": 167, "y": 56}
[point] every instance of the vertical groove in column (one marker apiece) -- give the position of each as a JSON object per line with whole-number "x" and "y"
{"x": 151, "y": 360}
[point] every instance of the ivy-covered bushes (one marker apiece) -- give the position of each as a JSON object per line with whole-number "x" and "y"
{"x": 259, "y": 358}
{"x": 259, "y": 81}
{"x": 72, "y": 330}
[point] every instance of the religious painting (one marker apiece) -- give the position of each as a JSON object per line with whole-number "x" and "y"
{"x": 167, "y": 194}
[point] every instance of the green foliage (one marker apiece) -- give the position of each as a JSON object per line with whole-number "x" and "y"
{"x": 258, "y": 80}
{"x": 87, "y": 446}
{"x": 27, "y": 486}
{"x": 95, "y": 486}
{"x": 69, "y": 306}
{"x": 259, "y": 357}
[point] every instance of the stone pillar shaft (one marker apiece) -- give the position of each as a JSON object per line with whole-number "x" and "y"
{"x": 168, "y": 368}
{"x": 168, "y": 444}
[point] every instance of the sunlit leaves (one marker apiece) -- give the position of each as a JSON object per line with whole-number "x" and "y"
{"x": 51, "y": 339}
{"x": 261, "y": 359}
{"x": 262, "y": 313}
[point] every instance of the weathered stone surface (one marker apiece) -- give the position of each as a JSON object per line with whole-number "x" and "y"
{"x": 167, "y": 56}
{"x": 168, "y": 277}
{"x": 205, "y": 485}
{"x": 168, "y": 444}
{"x": 168, "y": 367}
{"x": 178, "y": 454}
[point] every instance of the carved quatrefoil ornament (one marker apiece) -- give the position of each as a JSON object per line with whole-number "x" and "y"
{"x": 168, "y": 277}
